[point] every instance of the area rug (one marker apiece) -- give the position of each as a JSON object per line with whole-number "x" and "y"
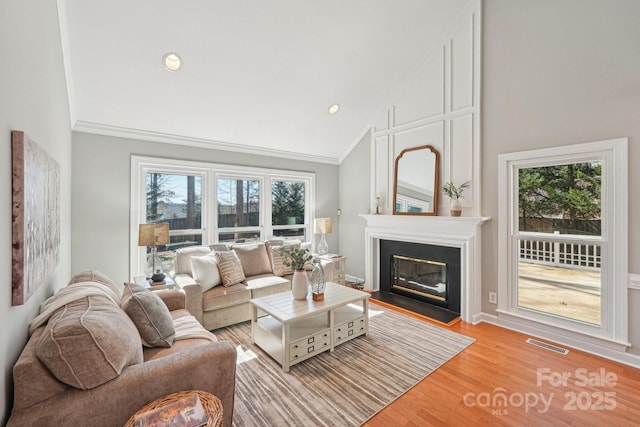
{"x": 343, "y": 388}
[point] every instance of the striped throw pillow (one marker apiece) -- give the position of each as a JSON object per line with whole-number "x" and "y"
{"x": 230, "y": 267}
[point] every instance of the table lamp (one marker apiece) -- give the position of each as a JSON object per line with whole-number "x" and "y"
{"x": 322, "y": 226}
{"x": 154, "y": 235}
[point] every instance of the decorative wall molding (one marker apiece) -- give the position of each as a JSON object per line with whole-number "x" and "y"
{"x": 444, "y": 93}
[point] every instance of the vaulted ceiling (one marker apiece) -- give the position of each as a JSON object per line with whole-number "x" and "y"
{"x": 257, "y": 76}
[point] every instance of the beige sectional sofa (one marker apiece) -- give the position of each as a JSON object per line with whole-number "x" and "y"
{"x": 85, "y": 364}
{"x": 216, "y": 304}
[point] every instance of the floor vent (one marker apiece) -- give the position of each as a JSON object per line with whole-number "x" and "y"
{"x": 547, "y": 346}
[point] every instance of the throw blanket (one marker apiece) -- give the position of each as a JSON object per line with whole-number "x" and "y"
{"x": 188, "y": 327}
{"x": 68, "y": 295}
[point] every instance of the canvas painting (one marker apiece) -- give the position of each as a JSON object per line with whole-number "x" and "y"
{"x": 35, "y": 216}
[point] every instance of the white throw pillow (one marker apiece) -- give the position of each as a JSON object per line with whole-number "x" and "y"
{"x": 205, "y": 271}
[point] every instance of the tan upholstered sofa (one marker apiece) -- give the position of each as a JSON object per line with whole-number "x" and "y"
{"x": 86, "y": 364}
{"x": 217, "y": 304}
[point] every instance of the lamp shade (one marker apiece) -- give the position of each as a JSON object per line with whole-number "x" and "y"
{"x": 153, "y": 234}
{"x": 322, "y": 226}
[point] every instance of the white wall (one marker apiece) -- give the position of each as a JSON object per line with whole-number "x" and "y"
{"x": 101, "y": 194}
{"x": 33, "y": 99}
{"x": 355, "y": 189}
{"x": 558, "y": 73}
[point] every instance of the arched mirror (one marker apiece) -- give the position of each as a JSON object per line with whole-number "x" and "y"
{"x": 415, "y": 190}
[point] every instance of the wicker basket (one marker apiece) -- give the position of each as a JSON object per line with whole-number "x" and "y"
{"x": 211, "y": 404}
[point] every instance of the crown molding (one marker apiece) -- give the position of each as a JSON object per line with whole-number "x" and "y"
{"x": 167, "y": 138}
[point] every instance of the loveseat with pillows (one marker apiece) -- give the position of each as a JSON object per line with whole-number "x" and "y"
{"x": 97, "y": 354}
{"x": 219, "y": 280}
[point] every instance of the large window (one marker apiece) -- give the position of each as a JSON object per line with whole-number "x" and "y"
{"x": 206, "y": 204}
{"x": 563, "y": 245}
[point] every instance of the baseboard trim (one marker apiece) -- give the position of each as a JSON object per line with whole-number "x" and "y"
{"x": 621, "y": 357}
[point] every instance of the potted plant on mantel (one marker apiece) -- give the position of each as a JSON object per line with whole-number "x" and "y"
{"x": 296, "y": 258}
{"x": 455, "y": 194}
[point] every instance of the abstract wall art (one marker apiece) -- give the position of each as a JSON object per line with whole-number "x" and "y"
{"x": 35, "y": 216}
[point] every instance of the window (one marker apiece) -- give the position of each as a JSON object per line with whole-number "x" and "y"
{"x": 177, "y": 200}
{"x": 288, "y": 216}
{"x": 207, "y": 203}
{"x": 238, "y": 207}
{"x": 563, "y": 244}
{"x": 559, "y": 240}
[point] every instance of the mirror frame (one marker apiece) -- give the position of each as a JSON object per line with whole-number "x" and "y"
{"x": 436, "y": 181}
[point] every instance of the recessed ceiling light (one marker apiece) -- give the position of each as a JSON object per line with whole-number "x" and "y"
{"x": 334, "y": 109}
{"x": 171, "y": 61}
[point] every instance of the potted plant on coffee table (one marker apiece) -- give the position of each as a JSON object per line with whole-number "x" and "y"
{"x": 455, "y": 194}
{"x": 296, "y": 258}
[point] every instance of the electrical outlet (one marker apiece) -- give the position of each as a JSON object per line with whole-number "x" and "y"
{"x": 493, "y": 297}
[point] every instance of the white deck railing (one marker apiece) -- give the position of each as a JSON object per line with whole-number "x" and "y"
{"x": 564, "y": 254}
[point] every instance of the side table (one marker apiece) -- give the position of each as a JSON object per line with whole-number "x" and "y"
{"x": 211, "y": 404}
{"x": 338, "y": 262}
{"x": 146, "y": 282}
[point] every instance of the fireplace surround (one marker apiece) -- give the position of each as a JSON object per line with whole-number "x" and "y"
{"x": 461, "y": 233}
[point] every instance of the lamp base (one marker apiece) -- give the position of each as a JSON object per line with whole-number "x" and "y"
{"x": 158, "y": 277}
{"x": 323, "y": 247}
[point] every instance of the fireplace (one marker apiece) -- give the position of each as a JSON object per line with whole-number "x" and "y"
{"x": 427, "y": 274}
{"x": 461, "y": 235}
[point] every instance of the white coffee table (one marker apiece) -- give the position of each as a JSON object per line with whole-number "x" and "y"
{"x": 295, "y": 330}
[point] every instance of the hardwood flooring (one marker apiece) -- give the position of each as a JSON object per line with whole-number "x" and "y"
{"x": 578, "y": 389}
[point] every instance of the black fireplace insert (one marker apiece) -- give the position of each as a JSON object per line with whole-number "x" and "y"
{"x": 429, "y": 274}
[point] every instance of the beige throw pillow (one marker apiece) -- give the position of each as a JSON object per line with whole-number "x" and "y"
{"x": 204, "y": 270}
{"x": 150, "y": 315}
{"x": 254, "y": 258}
{"x": 230, "y": 268}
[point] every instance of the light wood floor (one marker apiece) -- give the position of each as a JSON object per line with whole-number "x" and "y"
{"x": 500, "y": 363}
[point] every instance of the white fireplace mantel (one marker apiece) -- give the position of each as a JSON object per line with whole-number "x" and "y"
{"x": 458, "y": 232}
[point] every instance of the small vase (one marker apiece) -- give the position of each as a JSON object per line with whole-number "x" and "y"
{"x": 456, "y": 207}
{"x": 299, "y": 285}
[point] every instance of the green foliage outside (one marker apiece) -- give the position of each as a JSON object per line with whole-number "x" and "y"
{"x": 569, "y": 192}
{"x": 287, "y": 202}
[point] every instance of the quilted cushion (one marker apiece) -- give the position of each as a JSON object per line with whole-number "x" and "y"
{"x": 230, "y": 268}
{"x": 89, "y": 342}
{"x": 205, "y": 271}
{"x": 150, "y": 315}
{"x": 254, "y": 259}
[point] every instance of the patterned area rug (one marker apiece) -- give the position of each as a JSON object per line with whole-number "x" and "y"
{"x": 343, "y": 388}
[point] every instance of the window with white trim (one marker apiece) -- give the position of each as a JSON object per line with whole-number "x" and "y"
{"x": 208, "y": 203}
{"x": 563, "y": 239}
